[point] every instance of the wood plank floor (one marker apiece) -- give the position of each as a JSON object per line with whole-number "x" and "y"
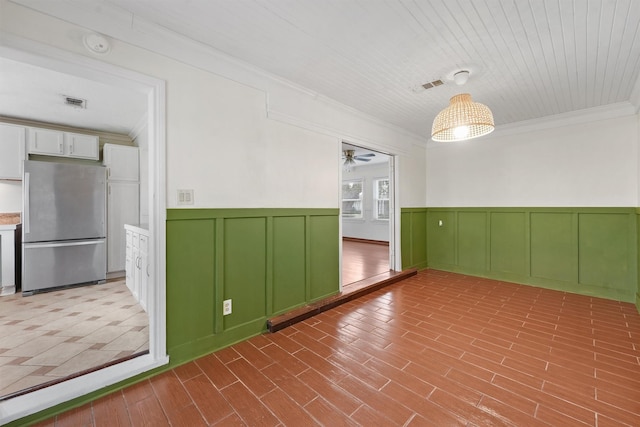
{"x": 362, "y": 260}
{"x": 437, "y": 349}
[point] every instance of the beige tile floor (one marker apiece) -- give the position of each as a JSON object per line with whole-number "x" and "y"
{"x": 49, "y": 336}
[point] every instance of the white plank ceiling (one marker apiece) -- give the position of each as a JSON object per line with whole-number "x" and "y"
{"x": 528, "y": 59}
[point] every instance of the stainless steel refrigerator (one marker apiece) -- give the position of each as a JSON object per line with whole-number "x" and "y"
{"x": 63, "y": 225}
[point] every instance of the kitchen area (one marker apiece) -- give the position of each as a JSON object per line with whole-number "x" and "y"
{"x": 74, "y": 246}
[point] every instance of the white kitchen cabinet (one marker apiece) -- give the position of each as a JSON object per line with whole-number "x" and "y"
{"x": 82, "y": 146}
{"x": 129, "y": 260}
{"x": 12, "y": 145}
{"x": 137, "y": 268}
{"x": 123, "y": 207}
{"x": 122, "y": 162}
{"x": 10, "y": 238}
{"x": 48, "y": 142}
{"x": 123, "y": 200}
{"x": 143, "y": 269}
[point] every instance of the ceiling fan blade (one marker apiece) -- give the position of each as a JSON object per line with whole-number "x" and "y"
{"x": 361, "y": 159}
{"x": 366, "y": 155}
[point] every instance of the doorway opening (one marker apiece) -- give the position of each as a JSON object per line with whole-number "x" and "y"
{"x": 153, "y": 91}
{"x": 366, "y": 213}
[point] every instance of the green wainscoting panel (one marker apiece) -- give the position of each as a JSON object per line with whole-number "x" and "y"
{"x": 323, "y": 247}
{"x": 441, "y": 229}
{"x": 289, "y": 269}
{"x": 472, "y": 240}
{"x": 264, "y": 260}
{"x": 508, "y": 242}
{"x": 413, "y": 237}
{"x": 553, "y": 252}
{"x": 591, "y": 251}
{"x": 604, "y": 241}
{"x": 190, "y": 281}
{"x": 245, "y": 255}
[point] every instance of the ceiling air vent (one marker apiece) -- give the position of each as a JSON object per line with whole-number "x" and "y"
{"x": 432, "y": 84}
{"x": 75, "y": 102}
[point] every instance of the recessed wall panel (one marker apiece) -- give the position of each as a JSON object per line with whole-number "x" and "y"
{"x": 508, "y": 242}
{"x": 553, "y": 247}
{"x": 472, "y": 240}
{"x": 244, "y": 269}
{"x": 604, "y": 242}
{"x": 288, "y": 262}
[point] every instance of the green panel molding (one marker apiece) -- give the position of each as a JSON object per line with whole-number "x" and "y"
{"x": 553, "y": 252}
{"x": 590, "y": 251}
{"x": 289, "y": 270}
{"x": 190, "y": 270}
{"x": 266, "y": 260}
{"x": 324, "y": 263}
{"x": 604, "y": 242}
{"x": 413, "y": 237}
{"x": 245, "y": 261}
{"x": 508, "y": 247}
{"x": 441, "y": 229}
{"x": 472, "y": 240}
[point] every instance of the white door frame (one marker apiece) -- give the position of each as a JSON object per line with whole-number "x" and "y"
{"x": 394, "y": 211}
{"x": 23, "y": 50}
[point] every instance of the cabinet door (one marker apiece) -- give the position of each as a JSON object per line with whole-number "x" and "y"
{"x": 129, "y": 264}
{"x": 136, "y": 266}
{"x": 45, "y": 141}
{"x": 122, "y": 162}
{"x": 122, "y": 208}
{"x": 12, "y": 139}
{"x": 143, "y": 294}
{"x": 82, "y": 146}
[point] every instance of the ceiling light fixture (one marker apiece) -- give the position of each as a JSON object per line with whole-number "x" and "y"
{"x": 349, "y": 161}
{"x": 463, "y": 119}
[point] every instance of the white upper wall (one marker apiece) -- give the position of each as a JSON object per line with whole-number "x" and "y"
{"x": 589, "y": 164}
{"x": 241, "y": 140}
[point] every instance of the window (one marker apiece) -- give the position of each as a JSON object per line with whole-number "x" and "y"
{"x": 352, "y": 199}
{"x": 381, "y": 198}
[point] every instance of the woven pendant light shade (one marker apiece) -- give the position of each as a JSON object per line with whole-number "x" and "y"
{"x": 462, "y": 119}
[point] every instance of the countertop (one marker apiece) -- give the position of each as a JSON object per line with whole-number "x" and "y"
{"x": 9, "y": 221}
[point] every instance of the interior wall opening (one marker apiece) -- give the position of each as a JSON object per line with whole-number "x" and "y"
{"x": 366, "y": 213}
{"x": 151, "y": 128}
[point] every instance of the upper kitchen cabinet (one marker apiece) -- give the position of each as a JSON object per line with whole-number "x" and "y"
{"x": 49, "y": 142}
{"x": 12, "y": 142}
{"x": 122, "y": 162}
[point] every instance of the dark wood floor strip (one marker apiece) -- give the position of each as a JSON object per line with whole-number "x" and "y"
{"x": 350, "y": 292}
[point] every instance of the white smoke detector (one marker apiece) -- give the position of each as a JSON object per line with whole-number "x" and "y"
{"x": 96, "y": 43}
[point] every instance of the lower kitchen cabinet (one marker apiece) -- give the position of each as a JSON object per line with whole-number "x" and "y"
{"x": 122, "y": 208}
{"x": 137, "y": 269}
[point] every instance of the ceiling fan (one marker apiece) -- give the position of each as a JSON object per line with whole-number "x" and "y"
{"x": 350, "y": 157}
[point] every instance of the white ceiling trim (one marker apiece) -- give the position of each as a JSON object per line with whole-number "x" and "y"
{"x": 123, "y": 25}
{"x": 336, "y": 133}
{"x": 149, "y": 36}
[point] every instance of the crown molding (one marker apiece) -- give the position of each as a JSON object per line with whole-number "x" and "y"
{"x": 339, "y": 134}
{"x": 112, "y": 21}
{"x": 139, "y": 127}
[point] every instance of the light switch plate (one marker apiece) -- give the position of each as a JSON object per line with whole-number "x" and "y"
{"x": 185, "y": 197}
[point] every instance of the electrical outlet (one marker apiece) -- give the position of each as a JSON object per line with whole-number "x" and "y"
{"x": 226, "y": 307}
{"x": 440, "y": 223}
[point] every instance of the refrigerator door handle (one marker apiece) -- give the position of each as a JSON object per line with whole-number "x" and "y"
{"x": 25, "y": 225}
{"x": 63, "y": 244}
